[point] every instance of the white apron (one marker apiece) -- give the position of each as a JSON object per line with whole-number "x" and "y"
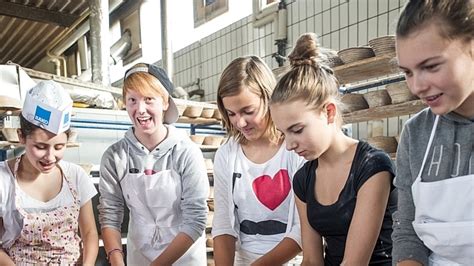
{"x": 444, "y": 216}
{"x": 155, "y": 216}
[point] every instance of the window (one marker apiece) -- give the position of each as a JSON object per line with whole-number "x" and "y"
{"x": 264, "y": 11}
{"x": 205, "y": 10}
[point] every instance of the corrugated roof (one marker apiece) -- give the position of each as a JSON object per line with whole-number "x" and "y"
{"x": 29, "y": 28}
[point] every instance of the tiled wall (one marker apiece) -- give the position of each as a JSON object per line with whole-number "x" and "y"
{"x": 339, "y": 23}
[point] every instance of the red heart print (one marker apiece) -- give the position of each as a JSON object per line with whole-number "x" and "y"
{"x": 271, "y": 192}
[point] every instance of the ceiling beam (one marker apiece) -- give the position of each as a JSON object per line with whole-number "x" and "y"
{"x": 36, "y": 14}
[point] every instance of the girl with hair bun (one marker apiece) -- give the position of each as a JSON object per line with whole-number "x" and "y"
{"x": 343, "y": 193}
{"x": 434, "y": 223}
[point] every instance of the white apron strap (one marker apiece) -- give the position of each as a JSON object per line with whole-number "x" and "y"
{"x": 433, "y": 130}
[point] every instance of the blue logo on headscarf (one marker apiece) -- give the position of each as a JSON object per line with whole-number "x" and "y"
{"x": 66, "y": 120}
{"x": 42, "y": 115}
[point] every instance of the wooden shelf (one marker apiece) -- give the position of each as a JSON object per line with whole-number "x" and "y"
{"x": 208, "y": 147}
{"x": 197, "y": 120}
{"x": 12, "y": 145}
{"x": 384, "y": 112}
{"x": 367, "y": 68}
{"x": 357, "y": 71}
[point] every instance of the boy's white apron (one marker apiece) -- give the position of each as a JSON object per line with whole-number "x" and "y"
{"x": 155, "y": 216}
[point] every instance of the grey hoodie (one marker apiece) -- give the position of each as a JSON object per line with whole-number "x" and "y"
{"x": 177, "y": 151}
{"x": 451, "y": 155}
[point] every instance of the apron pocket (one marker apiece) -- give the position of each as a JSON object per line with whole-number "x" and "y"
{"x": 162, "y": 189}
{"x": 451, "y": 240}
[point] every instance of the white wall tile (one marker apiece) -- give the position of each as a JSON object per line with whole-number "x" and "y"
{"x": 318, "y": 6}
{"x": 326, "y": 40}
{"x": 362, "y": 9}
{"x": 362, "y": 37}
{"x": 372, "y": 8}
{"x": 293, "y": 8}
{"x": 392, "y": 21}
{"x": 353, "y": 13}
{"x": 318, "y": 20}
{"x": 353, "y": 35}
{"x": 326, "y": 22}
{"x": 344, "y": 38}
{"x": 335, "y": 40}
{"x": 383, "y": 6}
{"x": 372, "y": 28}
{"x": 269, "y": 47}
{"x": 310, "y": 24}
{"x": 344, "y": 15}
{"x": 382, "y": 25}
{"x": 334, "y": 19}
{"x": 302, "y": 27}
{"x": 393, "y": 4}
{"x": 326, "y": 4}
{"x": 310, "y": 8}
{"x": 302, "y": 10}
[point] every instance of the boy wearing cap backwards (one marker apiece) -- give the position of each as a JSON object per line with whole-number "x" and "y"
{"x": 159, "y": 174}
{"x": 44, "y": 201}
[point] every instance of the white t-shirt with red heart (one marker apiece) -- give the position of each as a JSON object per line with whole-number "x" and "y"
{"x": 259, "y": 209}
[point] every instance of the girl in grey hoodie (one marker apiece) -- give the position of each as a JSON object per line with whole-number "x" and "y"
{"x": 434, "y": 224}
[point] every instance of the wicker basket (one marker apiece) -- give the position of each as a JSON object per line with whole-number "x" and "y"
{"x": 10, "y": 134}
{"x": 388, "y": 144}
{"x": 198, "y": 139}
{"x": 399, "y": 92}
{"x": 210, "y": 204}
{"x": 209, "y": 164}
{"x": 9, "y": 103}
{"x": 329, "y": 57}
{"x": 207, "y": 112}
{"x": 354, "y": 54}
{"x": 353, "y": 102}
{"x": 217, "y": 115}
{"x": 87, "y": 167}
{"x": 181, "y": 108}
{"x": 212, "y": 140}
{"x": 193, "y": 111}
{"x": 377, "y": 98}
{"x": 384, "y": 45}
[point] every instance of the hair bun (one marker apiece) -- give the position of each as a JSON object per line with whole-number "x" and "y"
{"x": 306, "y": 51}
{"x": 301, "y": 62}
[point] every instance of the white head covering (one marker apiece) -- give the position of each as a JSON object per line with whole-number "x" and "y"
{"x": 48, "y": 105}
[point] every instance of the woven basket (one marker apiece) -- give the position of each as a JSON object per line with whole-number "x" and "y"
{"x": 377, "y": 98}
{"x": 353, "y": 102}
{"x": 217, "y": 115}
{"x": 399, "y": 92}
{"x": 388, "y": 144}
{"x": 10, "y": 134}
{"x": 207, "y": 112}
{"x": 329, "y": 57}
{"x": 384, "y": 45}
{"x": 354, "y": 54}
{"x": 9, "y": 103}
{"x": 87, "y": 167}
{"x": 212, "y": 140}
{"x": 198, "y": 139}
{"x": 181, "y": 108}
{"x": 210, "y": 204}
{"x": 193, "y": 111}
